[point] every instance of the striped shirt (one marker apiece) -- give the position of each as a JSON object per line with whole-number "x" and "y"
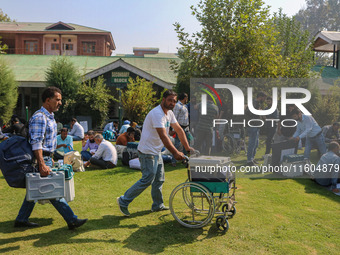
{"x": 43, "y": 131}
{"x": 181, "y": 114}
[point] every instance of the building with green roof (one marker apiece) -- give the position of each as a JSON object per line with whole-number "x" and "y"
{"x": 30, "y": 71}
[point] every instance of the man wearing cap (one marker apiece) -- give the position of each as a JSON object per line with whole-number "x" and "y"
{"x": 126, "y": 125}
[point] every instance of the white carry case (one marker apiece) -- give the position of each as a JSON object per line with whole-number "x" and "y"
{"x": 42, "y": 188}
{"x": 209, "y": 168}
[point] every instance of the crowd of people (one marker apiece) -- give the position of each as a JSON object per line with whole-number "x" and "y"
{"x": 166, "y": 127}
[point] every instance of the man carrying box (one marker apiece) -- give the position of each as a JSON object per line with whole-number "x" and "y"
{"x": 43, "y": 133}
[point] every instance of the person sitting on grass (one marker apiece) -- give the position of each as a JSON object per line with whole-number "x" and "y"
{"x": 89, "y": 144}
{"x": 106, "y": 155}
{"x": 327, "y": 174}
{"x": 126, "y": 125}
{"x": 112, "y": 126}
{"x": 16, "y": 128}
{"x": 64, "y": 144}
{"x": 331, "y": 132}
{"x": 77, "y": 131}
{"x": 128, "y": 136}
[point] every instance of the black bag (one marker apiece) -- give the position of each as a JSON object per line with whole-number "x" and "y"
{"x": 126, "y": 157}
{"x": 16, "y": 158}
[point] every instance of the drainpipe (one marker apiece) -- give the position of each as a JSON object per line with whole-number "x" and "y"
{"x": 60, "y": 44}
{"x": 334, "y": 55}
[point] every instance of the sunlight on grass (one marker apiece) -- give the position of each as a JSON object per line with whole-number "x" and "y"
{"x": 280, "y": 216}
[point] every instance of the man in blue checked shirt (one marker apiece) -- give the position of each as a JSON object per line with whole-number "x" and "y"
{"x": 43, "y": 133}
{"x": 308, "y": 128}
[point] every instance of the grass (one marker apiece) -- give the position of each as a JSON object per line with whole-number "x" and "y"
{"x": 274, "y": 216}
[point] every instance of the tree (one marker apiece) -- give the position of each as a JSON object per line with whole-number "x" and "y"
{"x": 320, "y": 15}
{"x": 64, "y": 75}
{"x": 327, "y": 111}
{"x": 94, "y": 96}
{"x": 8, "y": 92}
{"x": 239, "y": 39}
{"x": 295, "y": 45}
{"x": 80, "y": 97}
{"x": 4, "y": 17}
{"x": 138, "y": 99}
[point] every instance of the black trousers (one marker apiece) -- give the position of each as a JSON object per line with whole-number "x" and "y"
{"x": 102, "y": 163}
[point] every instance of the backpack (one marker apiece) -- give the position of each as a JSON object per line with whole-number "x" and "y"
{"x": 108, "y": 135}
{"x": 16, "y": 158}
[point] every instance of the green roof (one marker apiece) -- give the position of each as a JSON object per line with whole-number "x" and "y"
{"x": 329, "y": 74}
{"x": 32, "y": 68}
{"x": 40, "y": 27}
{"x": 327, "y": 71}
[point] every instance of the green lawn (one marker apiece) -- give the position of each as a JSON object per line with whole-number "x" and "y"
{"x": 280, "y": 216}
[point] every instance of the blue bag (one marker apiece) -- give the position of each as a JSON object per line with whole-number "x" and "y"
{"x": 109, "y": 135}
{"x": 16, "y": 158}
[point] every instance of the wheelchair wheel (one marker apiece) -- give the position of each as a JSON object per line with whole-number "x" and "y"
{"x": 232, "y": 211}
{"x": 222, "y": 223}
{"x": 192, "y": 205}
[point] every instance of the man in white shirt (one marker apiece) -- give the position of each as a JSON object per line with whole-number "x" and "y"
{"x": 77, "y": 131}
{"x": 154, "y": 138}
{"x": 106, "y": 155}
{"x": 308, "y": 128}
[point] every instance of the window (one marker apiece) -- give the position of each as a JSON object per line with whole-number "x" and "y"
{"x": 55, "y": 46}
{"x": 89, "y": 47}
{"x": 68, "y": 46}
{"x": 31, "y": 47}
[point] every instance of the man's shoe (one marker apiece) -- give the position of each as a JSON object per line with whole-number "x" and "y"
{"x": 19, "y": 224}
{"x": 123, "y": 210}
{"x": 164, "y": 208}
{"x": 76, "y": 224}
{"x": 255, "y": 162}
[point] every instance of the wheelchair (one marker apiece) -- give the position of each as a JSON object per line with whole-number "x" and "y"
{"x": 196, "y": 202}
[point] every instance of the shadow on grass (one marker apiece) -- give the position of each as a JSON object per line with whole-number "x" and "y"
{"x": 7, "y": 227}
{"x": 65, "y": 236}
{"x": 312, "y": 187}
{"x": 9, "y": 249}
{"x": 155, "y": 239}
